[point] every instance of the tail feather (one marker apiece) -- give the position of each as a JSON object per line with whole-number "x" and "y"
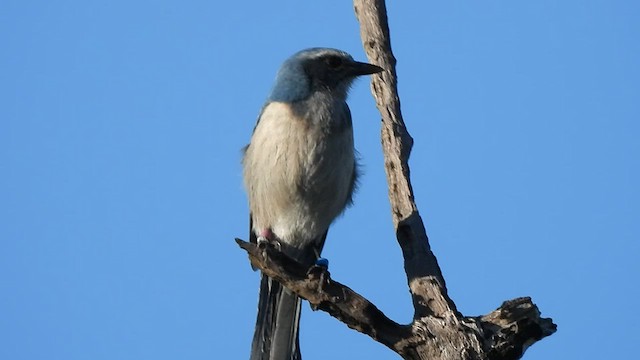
{"x": 276, "y": 333}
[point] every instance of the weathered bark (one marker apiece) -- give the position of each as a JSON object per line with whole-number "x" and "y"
{"x": 438, "y": 331}
{"x": 502, "y": 334}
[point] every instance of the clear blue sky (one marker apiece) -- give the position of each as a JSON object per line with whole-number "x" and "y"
{"x": 121, "y": 124}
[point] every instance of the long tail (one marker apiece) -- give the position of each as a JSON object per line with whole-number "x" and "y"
{"x": 276, "y": 334}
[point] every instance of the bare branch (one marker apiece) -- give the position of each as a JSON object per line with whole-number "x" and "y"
{"x": 316, "y": 286}
{"x": 503, "y": 334}
{"x": 513, "y": 327}
{"x": 426, "y": 283}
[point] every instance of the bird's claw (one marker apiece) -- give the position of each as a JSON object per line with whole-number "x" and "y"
{"x": 263, "y": 242}
{"x": 319, "y": 271}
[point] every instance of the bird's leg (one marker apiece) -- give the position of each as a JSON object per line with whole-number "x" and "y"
{"x": 320, "y": 261}
{"x": 320, "y": 270}
{"x": 323, "y": 263}
{"x": 266, "y": 238}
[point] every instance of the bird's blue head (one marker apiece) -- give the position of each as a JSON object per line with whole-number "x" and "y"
{"x": 318, "y": 69}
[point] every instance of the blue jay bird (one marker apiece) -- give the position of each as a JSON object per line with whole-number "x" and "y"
{"x": 299, "y": 173}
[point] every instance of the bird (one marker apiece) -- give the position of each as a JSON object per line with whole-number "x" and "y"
{"x": 300, "y": 172}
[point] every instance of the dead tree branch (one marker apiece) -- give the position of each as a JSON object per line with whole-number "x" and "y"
{"x": 503, "y": 334}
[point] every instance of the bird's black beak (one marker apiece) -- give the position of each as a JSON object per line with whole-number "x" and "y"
{"x": 359, "y": 68}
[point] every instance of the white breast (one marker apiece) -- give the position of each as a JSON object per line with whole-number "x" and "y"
{"x": 297, "y": 176}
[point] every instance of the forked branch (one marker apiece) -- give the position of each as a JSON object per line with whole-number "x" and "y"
{"x": 438, "y": 331}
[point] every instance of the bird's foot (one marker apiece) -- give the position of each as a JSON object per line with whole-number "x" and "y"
{"x": 264, "y": 242}
{"x": 320, "y": 271}
{"x": 267, "y": 238}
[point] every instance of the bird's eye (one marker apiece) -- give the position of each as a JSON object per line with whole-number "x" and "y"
{"x": 333, "y": 62}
